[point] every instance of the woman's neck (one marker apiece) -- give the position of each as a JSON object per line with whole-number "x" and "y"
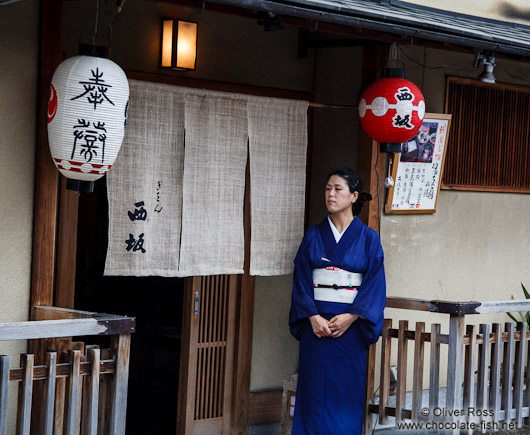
{"x": 342, "y": 220}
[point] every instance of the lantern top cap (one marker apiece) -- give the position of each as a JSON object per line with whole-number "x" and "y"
{"x": 394, "y": 73}
{"x": 93, "y": 50}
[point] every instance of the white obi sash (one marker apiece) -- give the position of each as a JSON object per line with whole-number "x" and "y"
{"x": 332, "y": 284}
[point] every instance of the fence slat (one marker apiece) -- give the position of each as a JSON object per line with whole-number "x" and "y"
{"x": 417, "y": 381}
{"x": 469, "y": 369}
{"x": 92, "y": 393}
{"x": 120, "y": 346}
{"x": 60, "y": 388}
{"x": 104, "y": 394}
{"x": 401, "y": 384}
{"x": 520, "y": 352}
{"x": 495, "y": 372}
{"x": 386, "y": 347}
{"x": 434, "y": 383}
{"x": 51, "y": 363}
{"x": 80, "y": 346}
{"x": 24, "y": 395}
{"x": 85, "y": 383}
{"x": 72, "y": 395}
{"x": 483, "y": 368}
{"x": 369, "y": 389}
{"x": 507, "y": 379}
{"x": 4, "y": 388}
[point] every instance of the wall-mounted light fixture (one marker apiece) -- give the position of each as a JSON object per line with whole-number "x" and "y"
{"x": 489, "y": 64}
{"x": 179, "y": 44}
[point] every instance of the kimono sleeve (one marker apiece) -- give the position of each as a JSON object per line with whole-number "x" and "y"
{"x": 371, "y": 299}
{"x": 302, "y": 302}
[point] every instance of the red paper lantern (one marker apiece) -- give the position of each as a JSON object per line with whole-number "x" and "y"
{"x": 391, "y": 110}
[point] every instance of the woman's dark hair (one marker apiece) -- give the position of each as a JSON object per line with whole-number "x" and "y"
{"x": 355, "y": 184}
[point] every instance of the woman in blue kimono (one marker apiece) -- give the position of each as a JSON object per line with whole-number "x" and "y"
{"x": 337, "y": 308}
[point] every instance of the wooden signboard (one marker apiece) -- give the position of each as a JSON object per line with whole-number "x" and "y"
{"x": 417, "y": 171}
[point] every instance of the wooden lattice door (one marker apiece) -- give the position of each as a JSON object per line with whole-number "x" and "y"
{"x": 207, "y": 360}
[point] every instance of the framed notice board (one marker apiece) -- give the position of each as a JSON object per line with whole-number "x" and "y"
{"x": 417, "y": 171}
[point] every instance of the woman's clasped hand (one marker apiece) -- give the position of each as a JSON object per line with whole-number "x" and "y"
{"x": 334, "y": 327}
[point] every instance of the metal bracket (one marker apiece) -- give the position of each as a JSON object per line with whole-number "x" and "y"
{"x": 455, "y": 308}
{"x": 196, "y": 305}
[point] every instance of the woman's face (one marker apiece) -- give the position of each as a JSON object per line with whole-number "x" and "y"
{"x": 338, "y": 195}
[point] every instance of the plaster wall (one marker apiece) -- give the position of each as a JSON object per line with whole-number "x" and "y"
{"x": 477, "y": 244}
{"x": 18, "y": 89}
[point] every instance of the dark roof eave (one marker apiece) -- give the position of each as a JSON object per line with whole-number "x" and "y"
{"x": 372, "y": 24}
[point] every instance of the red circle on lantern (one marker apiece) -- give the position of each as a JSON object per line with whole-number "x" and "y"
{"x": 52, "y": 104}
{"x": 391, "y": 110}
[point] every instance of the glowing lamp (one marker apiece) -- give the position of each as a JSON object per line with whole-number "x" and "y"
{"x": 391, "y": 111}
{"x": 87, "y": 113}
{"x": 179, "y": 44}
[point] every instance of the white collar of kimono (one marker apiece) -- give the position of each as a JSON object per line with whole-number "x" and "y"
{"x": 335, "y": 231}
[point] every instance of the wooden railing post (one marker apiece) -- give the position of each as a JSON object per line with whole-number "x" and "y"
{"x": 369, "y": 389}
{"x": 455, "y": 363}
{"x": 120, "y": 348}
{"x": 4, "y": 387}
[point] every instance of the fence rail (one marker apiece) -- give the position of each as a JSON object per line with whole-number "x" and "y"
{"x": 76, "y": 388}
{"x": 488, "y": 384}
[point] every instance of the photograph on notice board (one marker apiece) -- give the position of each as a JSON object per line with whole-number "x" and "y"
{"x": 417, "y": 171}
{"x": 421, "y": 147}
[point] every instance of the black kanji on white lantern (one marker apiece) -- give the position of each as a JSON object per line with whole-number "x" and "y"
{"x": 87, "y": 113}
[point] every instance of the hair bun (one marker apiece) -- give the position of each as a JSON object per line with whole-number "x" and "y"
{"x": 364, "y": 197}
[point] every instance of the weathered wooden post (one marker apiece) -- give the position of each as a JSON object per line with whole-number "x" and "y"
{"x": 455, "y": 364}
{"x": 120, "y": 348}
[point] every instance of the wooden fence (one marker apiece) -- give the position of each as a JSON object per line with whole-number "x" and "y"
{"x": 488, "y": 384}
{"x": 77, "y": 389}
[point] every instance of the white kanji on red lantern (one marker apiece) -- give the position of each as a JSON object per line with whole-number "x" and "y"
{"x": 391, "y": 110}
{"x": 87, "y": 113}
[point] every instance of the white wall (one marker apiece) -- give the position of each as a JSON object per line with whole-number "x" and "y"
{"x": 18, "y": 94}
{"x": 477, "y": 245}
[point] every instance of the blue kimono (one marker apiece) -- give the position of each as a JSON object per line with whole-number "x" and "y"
{"x": 332, "y": 371}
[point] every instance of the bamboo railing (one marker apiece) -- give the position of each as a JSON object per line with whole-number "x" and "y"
{"x": 82, "y": 390}
{"x": 488, "y": 384}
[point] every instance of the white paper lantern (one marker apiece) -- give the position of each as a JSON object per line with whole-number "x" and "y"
{"x": 87, "y": 113}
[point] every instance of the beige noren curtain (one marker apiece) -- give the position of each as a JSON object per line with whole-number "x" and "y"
{"x": 176, "y": 191}
{"x": 278, "y": 147}
{"x": 145, "y": 185}
{"x": 214, "y": 185}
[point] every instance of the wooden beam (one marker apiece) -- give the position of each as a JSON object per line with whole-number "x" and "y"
{"x": 56, "y": 313}
{"x": 368, "y": 156}
{"x": 46, "y": 184}
{"x": 214, "y": 85}
{"x": 265, "y": 406}
{"x": 241, "y": 398}
{"x": 50, "y": 329}
{"x": 66, "y": 247}
{"x": 46, "y": 176}
{"x": 409, "y": 303}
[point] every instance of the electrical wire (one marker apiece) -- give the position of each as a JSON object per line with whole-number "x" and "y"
{"x": 431, "y": 67}
{"x": 96, "y": 25}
